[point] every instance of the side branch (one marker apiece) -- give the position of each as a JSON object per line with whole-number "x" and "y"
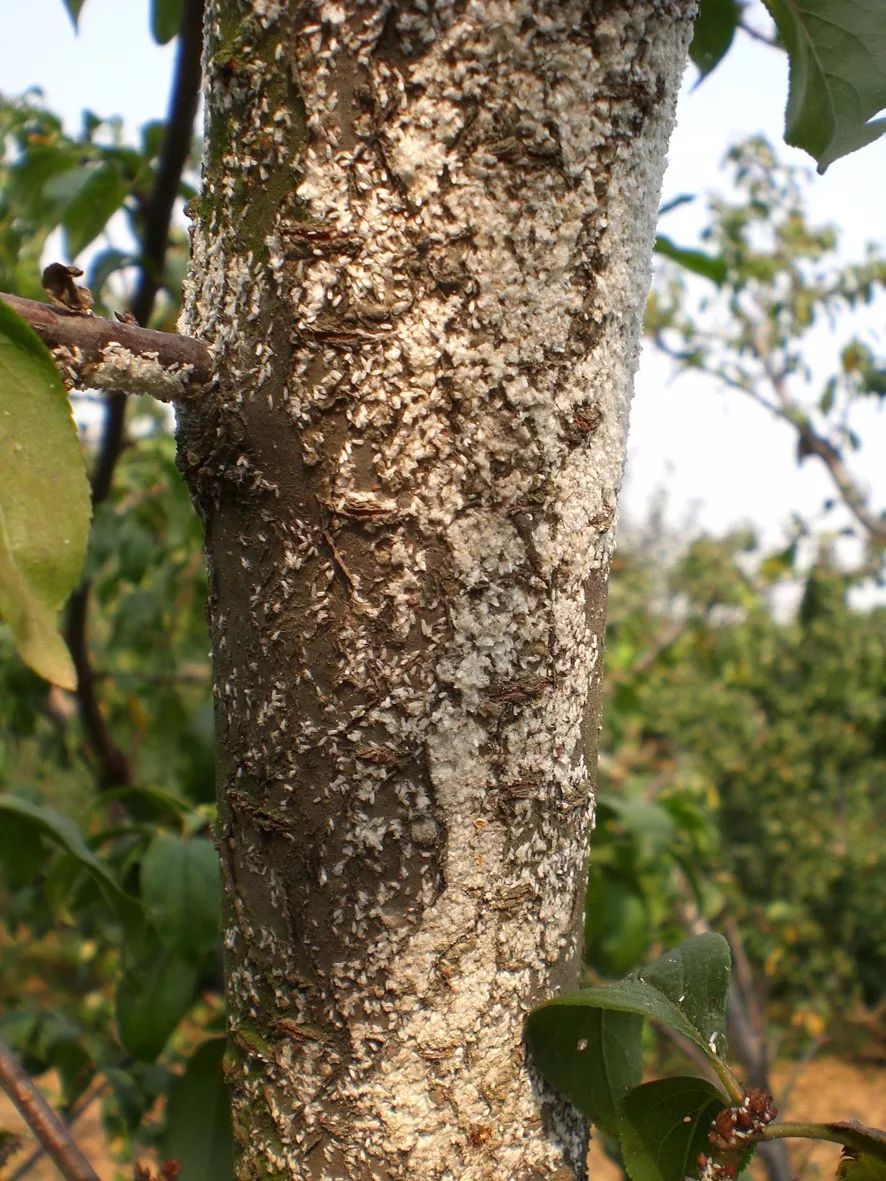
{"x": 95, "y": 353}
{"x": 42, "y": 1120}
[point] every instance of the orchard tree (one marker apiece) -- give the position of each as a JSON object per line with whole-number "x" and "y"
{"x": 420, "y": 253}
{"x": 419, "y": 256}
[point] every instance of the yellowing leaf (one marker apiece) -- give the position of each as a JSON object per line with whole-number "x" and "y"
{"x": 44, "y": 500}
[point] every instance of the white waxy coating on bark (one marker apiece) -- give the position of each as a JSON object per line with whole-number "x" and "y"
{"x": 468, "y": 413}
{"x": 118, "y": 368}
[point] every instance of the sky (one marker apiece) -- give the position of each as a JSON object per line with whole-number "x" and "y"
{"x": 714, "y": 459}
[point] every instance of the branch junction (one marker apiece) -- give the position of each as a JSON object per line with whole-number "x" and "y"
{"x": 95, "y": 353}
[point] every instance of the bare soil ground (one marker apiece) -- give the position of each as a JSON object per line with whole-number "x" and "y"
{"x": 827, "y": 1088}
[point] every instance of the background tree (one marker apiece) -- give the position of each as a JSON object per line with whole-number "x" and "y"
{"x": 711, "y": 813}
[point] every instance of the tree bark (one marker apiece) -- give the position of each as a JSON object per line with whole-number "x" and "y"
{"x": 420, "y": 260}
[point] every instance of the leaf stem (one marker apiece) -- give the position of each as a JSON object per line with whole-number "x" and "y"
{"x": 732, "y": 1086}
{"x": 869, "y": 1141}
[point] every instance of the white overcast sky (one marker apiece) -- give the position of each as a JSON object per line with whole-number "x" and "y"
{"x": 718, "y": 460}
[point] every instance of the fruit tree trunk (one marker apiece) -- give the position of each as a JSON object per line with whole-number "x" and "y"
{"x": 420, "y": 257}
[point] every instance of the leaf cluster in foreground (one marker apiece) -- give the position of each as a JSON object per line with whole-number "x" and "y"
{"x": 589, "y": 1046}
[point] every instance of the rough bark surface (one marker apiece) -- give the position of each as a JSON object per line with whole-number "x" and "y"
{"x": 420, "y": 258}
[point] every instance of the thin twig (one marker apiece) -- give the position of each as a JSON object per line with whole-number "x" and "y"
{"x": 42, "y": 1120}
{"x": 849, "y": 1133}
{"x": 812, "y": 443}
{"x": 157, "y": 219}
{"x": 809, "y": 441}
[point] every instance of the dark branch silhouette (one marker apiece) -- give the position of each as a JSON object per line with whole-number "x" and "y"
{"x": 114, "y": 769}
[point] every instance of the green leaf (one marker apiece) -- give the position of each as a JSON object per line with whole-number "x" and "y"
{"x": 622, "y": 996}
{"x": 151, "y": 1000}
{"x": 153, "y": 137}
{"x": 675, "y": 203}
{"x": 180, "y": 890}
{"x": 166, "y": 19}
{"x": 32, "y": 173}
{"x": 695, "y": 977}
{"x": 156, "y": 801}
{"x": 198, "y": 1118}
{"x": 64, "y": 832}
{"x": 104, "y": 264}
{"x": 85, "y": 198}
{"x": 18, "y": 1028}
{"x": 135, "y": 1089}
{"x": 91, "y": 124}
{"x": 73, "y": 7}
{"x": 44, "y": 500}
{"x": 59, "y": 1044}
{"x": 75, "y": 1068}
{"x": 664, "y": 1125}
{"x": 706, "y": 265}
{"x": 591, "y": 1053}
{"x": 617, "y": 922}
{"x": 21, "y": 852}
{"x": 686, "y": 990}
{"x": 861, "y": 1168}
{"x": 98, "y": 200}
{"x": 648, "y": 824}
{"x": 714, "y": 29}
{"x": 826, "y": 401}
{"x": 837, "y": 74}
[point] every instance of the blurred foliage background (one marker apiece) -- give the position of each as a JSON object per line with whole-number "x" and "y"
{"x": 744, "y": 752}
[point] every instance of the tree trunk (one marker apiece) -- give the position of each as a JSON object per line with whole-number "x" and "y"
{"x": 420, "y": 258}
